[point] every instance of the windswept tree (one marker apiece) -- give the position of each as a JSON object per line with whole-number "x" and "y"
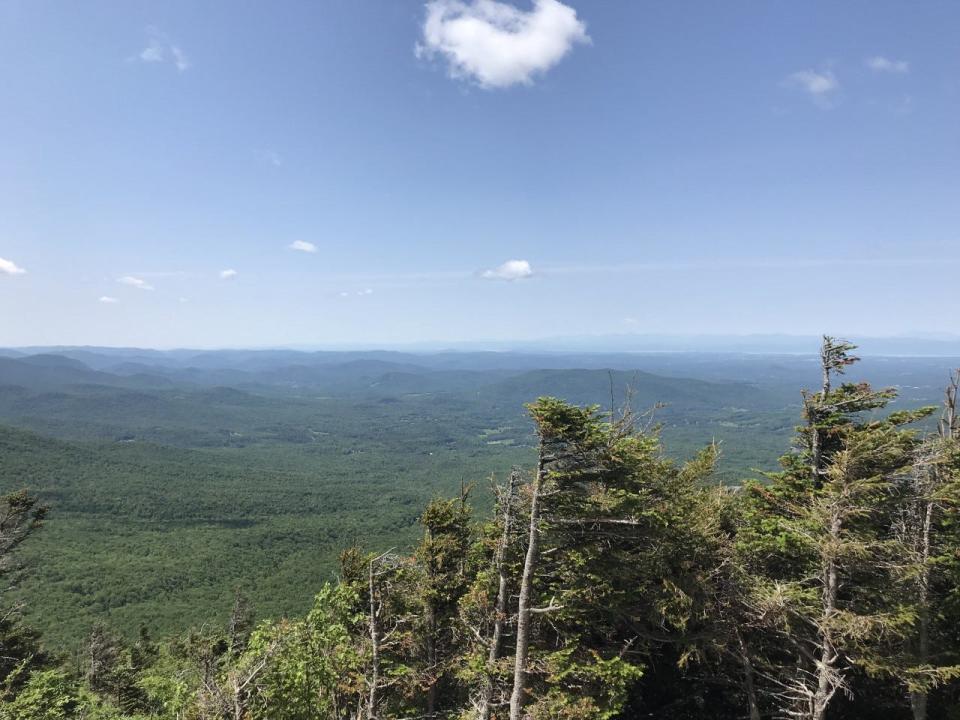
{"x": 21, "y": 515}
{"x": 818, "y": 538}
{"x": 927, "y": 544}
{"x": 615, "y": 564}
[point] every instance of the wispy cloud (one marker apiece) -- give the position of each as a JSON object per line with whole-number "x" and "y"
{"x": 886, "y": 65}
{"x": 359, "y": 293}
{"x": 303, "y": 246}
{"x": 160, "y": 49}
{"x": 9, "y": 267}
{"x": 496, "y": 44}
{"x": 820, "y": 86}
{"x": 755, "y": 263}
{"x": 107, "y": 300}
{"x": 154, "y": 52}
{"x": 165, "y": 273}
{"x": 136, "y": 282}
{"x": 228, "y": 274}
{"x": 510, "y": 270}
{"x": 179, "y": 58}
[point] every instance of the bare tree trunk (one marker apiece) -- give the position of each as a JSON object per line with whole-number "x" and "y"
{"x": 816, "y": 448}
{"x": 526, "y": 587}
{"x": 238, "y": 704}
{"x": 431, "y": 658}
{"x": 949, "y": 429}
{"x": 826, "y": 672}
{"x": 813, "y": 417}
{"x": 918, "y": 698}
{"x": 500, "y": 608}
{"x": 374, "y": 649}
{"x": 749, "y": 682}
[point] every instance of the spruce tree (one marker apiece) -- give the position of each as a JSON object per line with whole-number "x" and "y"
{"x": 442, "y": 557}
{"x": 818, "y": 542}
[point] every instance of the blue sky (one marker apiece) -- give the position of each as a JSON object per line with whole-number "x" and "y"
{"x": 475, "y": 170}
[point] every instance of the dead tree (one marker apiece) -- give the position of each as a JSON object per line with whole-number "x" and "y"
{"x": 500, "y": 607}
{"x": 916, "y": 530}
{"x": 524, "y": 608}
{"x": 229, "y": 695}
{"x": 380, "y": 568}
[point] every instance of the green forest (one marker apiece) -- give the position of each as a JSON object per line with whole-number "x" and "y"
{"x": 168, "y": 490}
{"x": 591, "y": 577}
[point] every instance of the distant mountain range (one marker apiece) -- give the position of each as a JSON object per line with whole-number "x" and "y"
{"x": 907, "y": 346}
{"x": 918, "y": 345}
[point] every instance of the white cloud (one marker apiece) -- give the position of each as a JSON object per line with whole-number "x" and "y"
{"x": 9, "y": 267}
{"x": 160, "y": 49}
{"x": 108, "y": 300}
{"x": 882, "y": 64}
{"x": 496, "y": 44}
{"x": 179, "y": 58}
{"x": 365, "y": 291}
{"x": 227, "y": 274}
{"x": 510, "y": 270}
{"x": 136, "y": 282}
{"x": 820, "y": 86}
{"x": 344, "y": 294}
{"x": 303, "y": 246}
{"x": 154, "y": 52}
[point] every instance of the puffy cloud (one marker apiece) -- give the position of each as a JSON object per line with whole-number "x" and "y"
{"x": 496, "y": 44}
{"x": 303, "y": 246}
{"x": 106, "y": 299}
{"x": 510, "y": 270}
{"x": 882, "y": 64}
{"x": 820, "y": 86}
{"x": 227, "y": 274}
{"x": 9, "y": 267}
{"x": 136, "y": 282}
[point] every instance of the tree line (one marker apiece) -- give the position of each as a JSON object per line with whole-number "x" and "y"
{"x": 610, "y": 582}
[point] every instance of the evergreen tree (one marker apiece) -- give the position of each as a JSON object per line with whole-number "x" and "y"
{"x": 927, "y": 554}
{"x": 442, "y": 557}
{"x": 21, "y": 515}
{"x": 623, "y": 542}
{"x": 818, "y": 538}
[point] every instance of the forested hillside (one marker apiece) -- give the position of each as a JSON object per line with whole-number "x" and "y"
{"x": 170, "y": 490}
{"x": 264, "y": 551}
